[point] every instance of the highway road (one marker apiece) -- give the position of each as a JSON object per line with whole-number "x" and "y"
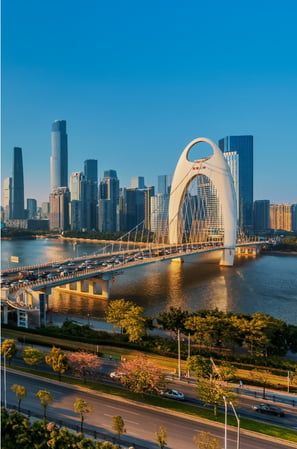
{"x": 141, "y": 422}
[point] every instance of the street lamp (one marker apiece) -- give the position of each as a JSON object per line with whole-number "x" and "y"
{"x": 238, "y": 425}
{"x": 226, "y": 415}
{"x": 4, "y": 377}
{"x": 178, "y": 352}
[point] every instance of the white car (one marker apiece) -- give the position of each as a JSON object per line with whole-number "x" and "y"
{"x": 115, "y": 375}
{"x": 173, "y": 394}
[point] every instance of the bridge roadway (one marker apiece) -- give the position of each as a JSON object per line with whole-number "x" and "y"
{"x": 100, "y": 268}
{"x": 98, "y": 265}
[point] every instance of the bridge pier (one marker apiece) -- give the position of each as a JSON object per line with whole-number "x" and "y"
{"x": 227, "y": 259}
{"x": 250, "y": 251}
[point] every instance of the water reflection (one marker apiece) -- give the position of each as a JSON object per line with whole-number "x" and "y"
{"x": 266, "y": 284}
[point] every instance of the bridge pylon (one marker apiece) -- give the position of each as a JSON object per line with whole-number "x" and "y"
{"x": 216, "y": 168}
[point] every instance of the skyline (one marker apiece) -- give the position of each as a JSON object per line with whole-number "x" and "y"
{"x": 136, "y": 84}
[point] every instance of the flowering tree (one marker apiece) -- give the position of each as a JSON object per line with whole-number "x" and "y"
{"x": 83, "y": 364}
{"x": 141, "y": 375}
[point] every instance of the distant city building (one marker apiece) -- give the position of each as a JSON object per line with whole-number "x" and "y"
{"x": 30, "y": 225}
{"x": 137, "y": 182}
{"x": 164, "y": 184}
{"x": 159, "y": 215}
{"x": 134, "y": 207}
{"x": 281, "y": 217}
{"x": 77, "y": 186}
{"x": 45, "y": 209}
{"x": 109, "y": 193}
{"x": 261, "y": 216}
{"x": 91, "y": 194}
{"x": 232, "y": 157}
{"x": 18, "y": 211}
{"x": 31, "y": 208}
{"x": 294, "y": 217}
{"x": 59, "y": 209}
{"x": 149, "y": 192}
{"x": 243, "y": 145}
{"x": 7, "y": 198}
{"x": 59, "y": 156}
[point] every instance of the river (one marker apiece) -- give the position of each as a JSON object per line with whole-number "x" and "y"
{"x": 266, "y": 284}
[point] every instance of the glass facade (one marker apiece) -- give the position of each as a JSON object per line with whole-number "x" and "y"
{"x": 18, "y": 199}
{"x": 59, "y": 156}
{"x": 244, "y": 146}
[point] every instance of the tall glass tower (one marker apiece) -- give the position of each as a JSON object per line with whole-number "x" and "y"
{"x": 18, "y": 211}
{"x": 91, "y": 193}
{"x": 244, "y": 146}
{"x": 59, "y": 156}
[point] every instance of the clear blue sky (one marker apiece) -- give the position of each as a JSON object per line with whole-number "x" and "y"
{"x": 136, "y": 81}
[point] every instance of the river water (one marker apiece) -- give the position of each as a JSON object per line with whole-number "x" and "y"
{"x": 266, "y": 284}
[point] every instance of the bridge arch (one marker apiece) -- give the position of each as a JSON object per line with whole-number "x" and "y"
{"x": 216, "y": 168}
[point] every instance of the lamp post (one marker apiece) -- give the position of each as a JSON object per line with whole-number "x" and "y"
{"x": 4, "y": 377}
{"x": 178, "y": 353}
{"x": 226, "y": 414}
{"x": 238, "y": 426}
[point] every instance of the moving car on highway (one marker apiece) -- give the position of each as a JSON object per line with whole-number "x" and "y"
{"x": 269, "y": 409}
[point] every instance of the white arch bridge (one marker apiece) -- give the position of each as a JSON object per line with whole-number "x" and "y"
{"x": 198, "y": 217}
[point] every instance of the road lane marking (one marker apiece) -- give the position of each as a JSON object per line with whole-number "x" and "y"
{"x": 123, "y": 410}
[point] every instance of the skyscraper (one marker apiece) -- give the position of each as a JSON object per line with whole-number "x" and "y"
{"x": 91, "y": 193}
{"x": 59, "y": 156}
{"x": 31, "y": 208}
{"x": 76, "y": 208}
{"x": 7, "y": 190}
{"x": 261, "y": 215}
{"x": 59, "y": 209}
{"x": 18, "y": 211}
{"x": 244, "y": 146}
{"x": 164, "y": 184}
{"x": 109, "y": 192}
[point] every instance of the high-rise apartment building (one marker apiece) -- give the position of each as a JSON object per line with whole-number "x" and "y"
{"x": 91, "y": 193}
{"x": 294, "y": 217}
{"x": 59, "y": 209}
{"x": 244, "y": 146}
{"x": 164, "y": 184}
{"x": 281, "y": 217}
{"x": 59, "y": 156}
{"x": 7, "y": 199}
{"x": 31, "y": 208}
{"x": 109, "y": 192}
{"x": 261, "y": 216}
{"x": 137, "y": 182}
{"x": 159, "y": 215}
{"x": 18, "y": 211}
{"x": 76, "y": 206}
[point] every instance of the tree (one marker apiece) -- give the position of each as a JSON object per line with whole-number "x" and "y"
{"x": 82, "y": 407}
{"x": 8, "y": 349}
{"x": 140, "y": 375}
{"x": 161, "y": 437}
{"x": 173, "y": 320}
{"x": 20, "y": 392}
{"x": 58, "y": 360}
{"x": 118, "y": 426}
{"x": 33, "y": 356}
{"x": 263, "y": 377}
{"x": 128, "y": 316}
{"x": 212, "y": 392}
{"x": 204, "y": 441}
{"x": 134, "y": 323}
{"x": 83, "y": 364}
{"x": 116, "y": 311}
{"x": 45, "y": 398}
{"x": 200, "y": 366}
